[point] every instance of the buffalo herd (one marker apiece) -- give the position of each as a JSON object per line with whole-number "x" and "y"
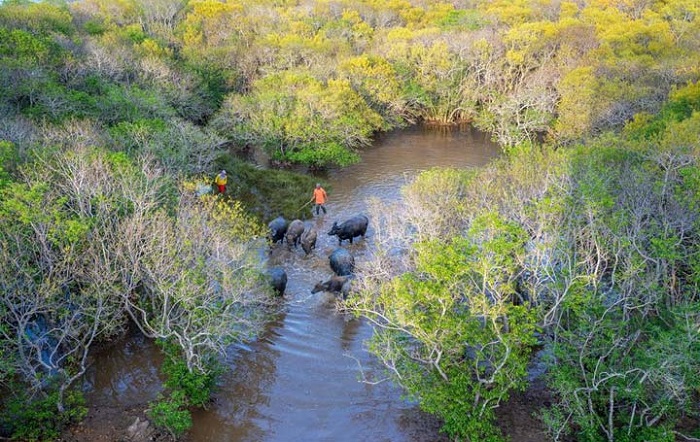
{"x": 297, "y": 233}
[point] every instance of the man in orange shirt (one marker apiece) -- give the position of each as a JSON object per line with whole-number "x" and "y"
{"x": 320, "y": 198}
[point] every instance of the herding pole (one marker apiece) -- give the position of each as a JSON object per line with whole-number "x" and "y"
{"x": 308, "y": 202}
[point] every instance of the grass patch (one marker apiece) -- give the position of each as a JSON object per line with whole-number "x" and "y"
{"x": 268, "y": 193}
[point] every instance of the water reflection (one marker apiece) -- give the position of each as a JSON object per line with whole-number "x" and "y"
{"x": 124, "y": 374}
{"x": 318, "y": 393}
{"x": 300, "y": 380}
{"x": 350, "y": 331}
{"x": 243, "y": 386}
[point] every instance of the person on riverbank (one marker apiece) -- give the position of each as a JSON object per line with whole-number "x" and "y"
{"x": 320, "y": 197}
{"x": 221, "y": 180}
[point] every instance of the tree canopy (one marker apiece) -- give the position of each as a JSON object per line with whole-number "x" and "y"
{"x": 579, "y": 247}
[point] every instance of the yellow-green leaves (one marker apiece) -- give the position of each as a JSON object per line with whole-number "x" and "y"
{"x": 373, "y": 76}
{"x": 294, "y": 114}
{"x": 209, "y": 22}
{"x": 510, "y": 12}
{"x": 578, "y": 91}
{"x": 40, "y": 17}
{"x": 449, "y": 329}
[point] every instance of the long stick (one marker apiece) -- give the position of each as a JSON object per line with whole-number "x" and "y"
{"x": 307, "y": 203}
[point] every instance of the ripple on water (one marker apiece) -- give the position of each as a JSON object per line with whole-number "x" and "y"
{"x": 301, "y": 380}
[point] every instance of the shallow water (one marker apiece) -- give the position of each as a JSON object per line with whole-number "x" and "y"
{"x": 305, "y": 377}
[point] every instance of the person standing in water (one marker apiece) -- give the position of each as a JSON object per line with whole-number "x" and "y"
{"x": 319, "y": 198}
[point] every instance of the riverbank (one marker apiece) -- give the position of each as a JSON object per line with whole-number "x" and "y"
{"x": 302, "y": 378}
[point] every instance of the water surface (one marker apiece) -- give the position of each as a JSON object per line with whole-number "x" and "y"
{"x": 309, "y": 377}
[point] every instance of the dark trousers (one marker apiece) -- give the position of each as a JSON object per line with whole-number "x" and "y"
{"x": 322, "y": 207}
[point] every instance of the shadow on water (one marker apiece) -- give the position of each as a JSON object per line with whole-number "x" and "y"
{"x": 242, "y": 389}
{"x": 125, "y": 374}
{"x": 302, "y": 379}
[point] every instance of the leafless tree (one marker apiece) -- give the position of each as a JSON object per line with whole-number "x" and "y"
{"x": 190, "y": 280}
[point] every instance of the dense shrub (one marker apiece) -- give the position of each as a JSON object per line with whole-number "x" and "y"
{"x": 35, "y": 418}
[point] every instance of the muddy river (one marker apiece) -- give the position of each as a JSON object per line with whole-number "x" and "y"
{"x": 309, "y": 377}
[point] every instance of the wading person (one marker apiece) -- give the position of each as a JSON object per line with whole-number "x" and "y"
{"x": 221, "y": 180}
{"x": 319, "y": 198}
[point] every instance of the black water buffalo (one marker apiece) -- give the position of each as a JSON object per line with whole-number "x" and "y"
{"x": 278, "y": 228}
{"x": 355, "y": 226}
{"x": 337, "y": 284}
{"x": 342, "y": 262}
{"x": 308, "y": 239}
{"x": 294, "y": 231}
{"x": 278, "y": 280}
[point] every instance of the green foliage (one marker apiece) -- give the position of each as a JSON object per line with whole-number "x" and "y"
{"x": 214, "y": 81}
{"x": 171, "y": 413}
{"x": 178, "y": 145}
{"x": 187, "y": 388}
{"x": 21, "y": 47}
{"x": 82, "y": 210}
{"x": 460, "y": 19}
{"x": 322, "y": 155}
{"x": 8, "y": 162}
{"x": 56, "y": 103}
{"x": 197, "y": 270}
{"x": 196, "y": 386}
{"x": 86, "y": 228}
{"x": 268, "y": 193}
{"x": 36, "y": 418}
{"x": 378, "y": 82}
{"x": 434, "y": 83}
{"x": 450, "y": 328}
{"x": 646, "y": 362}
{"x": 682, "y": 102}
{"x": 660, "y": 434}
{"x": 292, "y": 114}
{"x": 94, "y": 27}
{"x": 40, "y": 17}
{"x": 625, "y": 358}
{"x": 133, "y": 33}
{"x": 124, "y": 103}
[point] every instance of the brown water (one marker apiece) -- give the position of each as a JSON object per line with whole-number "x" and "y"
{"x": 303, "y": 379}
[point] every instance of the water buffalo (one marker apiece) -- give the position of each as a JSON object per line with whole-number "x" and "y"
{"x": 355, "y": 226}
{"x": 342, "y": 262}
{"x": 278, "y": 228}
{"x": 308, "y": 239}
{"x": 337, "y": 284}
{"x": 294, "y": 231}
{"x": 278, "y": 280}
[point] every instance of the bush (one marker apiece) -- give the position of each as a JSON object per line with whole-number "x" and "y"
{"x": 681, "y": 104}
{"x": 178, "y": 145}
{"x": 195, "y": 386}
{"x": 293, "y": 114}
{"x": 187, "y": 388}
{"x": 322, "y": 154}
{"x": 171, "y": 414}
{"x": 8, "y": 159}
{"x": 28, "y": 418}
